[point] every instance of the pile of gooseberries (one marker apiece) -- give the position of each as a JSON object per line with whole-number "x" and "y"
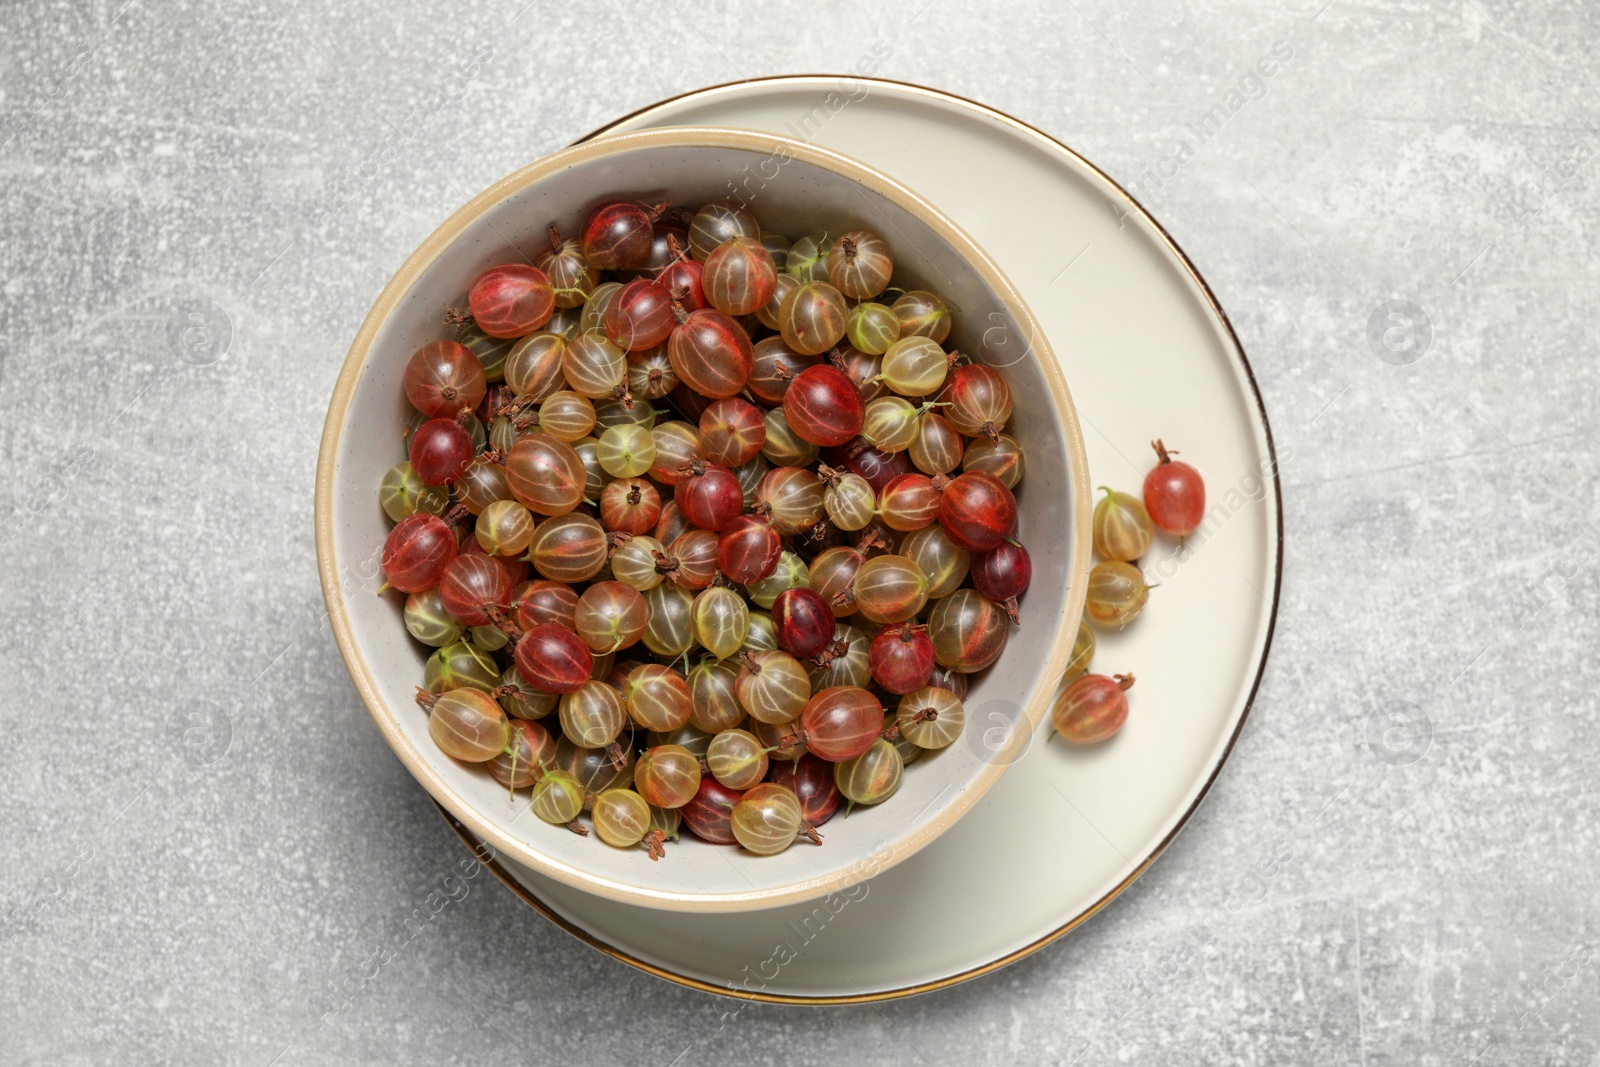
{"x": 705, "y": 527}
{"x": 1094, "y": 707}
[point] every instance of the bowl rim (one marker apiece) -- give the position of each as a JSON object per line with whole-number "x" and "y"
{"x": 402, "y": 282}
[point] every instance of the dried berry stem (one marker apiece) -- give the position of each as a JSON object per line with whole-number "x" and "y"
{"x": 503, "y": 622}
{"x": 870, "y": 540}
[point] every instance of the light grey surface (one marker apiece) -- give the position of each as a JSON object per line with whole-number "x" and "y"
{"x": 189, "y": 890}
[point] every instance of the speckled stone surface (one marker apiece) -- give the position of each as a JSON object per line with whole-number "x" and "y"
{"x": 201, "y": 832}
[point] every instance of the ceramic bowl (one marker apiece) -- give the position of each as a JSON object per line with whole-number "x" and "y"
{"x": 793, "y": 188}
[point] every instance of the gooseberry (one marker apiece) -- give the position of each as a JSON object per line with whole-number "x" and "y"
{"x": 977, "y": 511}
{"x": 1174, "y": 493}
{"x": 1117, "y": 594}
{"x": 511, "y": 300}
{"x": 823, "y": 406}
{"x": 1091, "y": 708}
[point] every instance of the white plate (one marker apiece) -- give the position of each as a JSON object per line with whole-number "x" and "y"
{"x": 1147, "y": 353}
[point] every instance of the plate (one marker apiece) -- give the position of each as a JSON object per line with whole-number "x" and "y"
{"x": 1147, "y": 353}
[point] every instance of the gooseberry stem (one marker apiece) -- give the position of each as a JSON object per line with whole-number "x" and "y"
{"x": 892, "y": 731}
{"x": 513, "y": 408}
{"x": 502, "y": 622}
{"x": 832, "y": 651}
{"x": 870, "y": 540}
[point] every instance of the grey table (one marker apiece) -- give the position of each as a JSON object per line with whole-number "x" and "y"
{"x": 198, "y": 203}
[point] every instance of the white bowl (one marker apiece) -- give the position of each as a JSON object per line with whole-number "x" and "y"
{"x": 792, "y": 188}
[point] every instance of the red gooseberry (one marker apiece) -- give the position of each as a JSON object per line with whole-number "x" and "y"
{"x": 640, "y": 316}
{"x": 1174, "y": 494}
{"x": 740, "y": 276}
{"x": 824, "y": 406}
{"x": 617, "y": 236}
{"x": 475, "y": 589}
{"x": 710, "y": 814}
{"x": 545, "y": 601}
{"x": 711, "y": 353}
{"x": 554, "y": 658}
{"x": 444, "y": 378}
{"x": 910, "y": 502}
{"x": 902, "y": 658}
{"x": 979, "y": 400}
{"x": 684, "y": 280}
{"x": 977, "y": 511}
{"x": 417, "y": 551}
{"x": 840, "y": 723}
{"x": 708, "y": 495}
{"x": 1002, "y": 574}
{"x": 511, "y": 300}
{"x": 811, "y": 780}
{"x": 802, "y": 622}
{"x": 440, "y": 451}
{"x": 630, "y": 506}
{"x": 748, "y": 549}
{"x": 732, "y": 431}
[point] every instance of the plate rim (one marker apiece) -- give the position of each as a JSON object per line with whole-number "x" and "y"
{"x": 901, "y": 992}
